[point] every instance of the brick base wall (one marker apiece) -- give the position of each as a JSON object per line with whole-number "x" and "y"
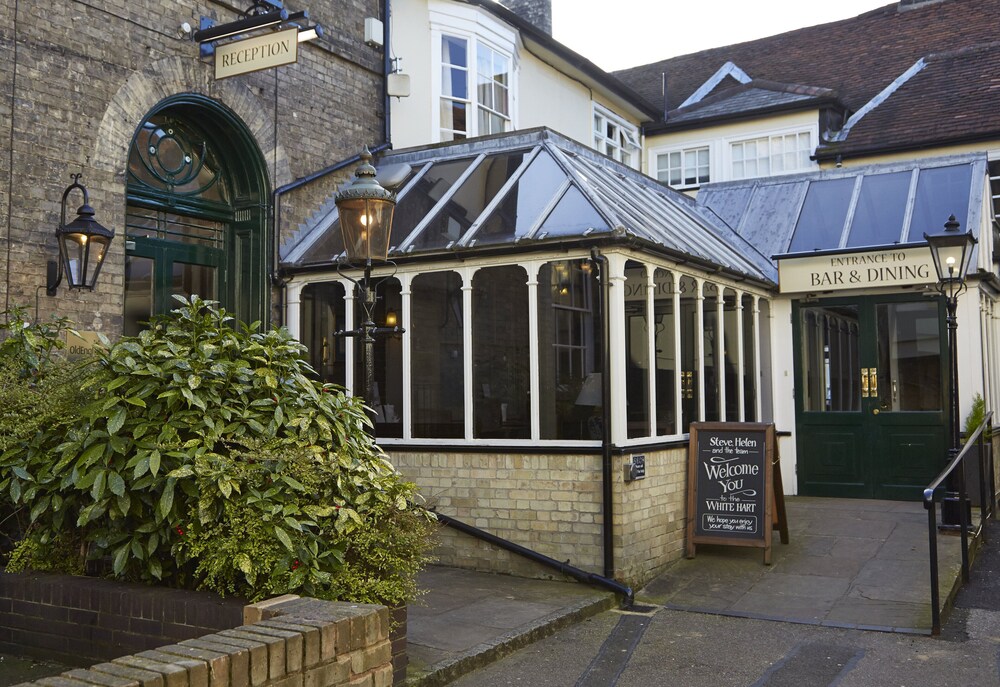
{"x": 79, "y": 620}
{"x": 552, "y": 504}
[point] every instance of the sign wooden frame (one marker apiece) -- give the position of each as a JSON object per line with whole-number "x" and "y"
{"x": 735, "y": 466}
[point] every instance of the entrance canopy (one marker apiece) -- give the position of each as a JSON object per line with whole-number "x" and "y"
{"x": 535, "y": 190}
{"x": 856, "y": 208}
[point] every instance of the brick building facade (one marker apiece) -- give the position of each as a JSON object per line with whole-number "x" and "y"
{"x": 81, "y": 78}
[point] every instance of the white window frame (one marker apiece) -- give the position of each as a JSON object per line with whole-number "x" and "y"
{"x": 768, "y": 137}
{"x": 477, "y": 28}
{"x": 612, "y": 146}
{"x": 683, "y": 152}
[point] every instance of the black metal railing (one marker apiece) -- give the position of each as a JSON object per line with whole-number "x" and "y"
{"x": 953, "y": 477}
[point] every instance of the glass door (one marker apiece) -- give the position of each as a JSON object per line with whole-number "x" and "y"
{"x": 870, "y": 380}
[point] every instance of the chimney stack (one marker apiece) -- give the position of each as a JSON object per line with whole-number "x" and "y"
{"x": 538, "y": 13}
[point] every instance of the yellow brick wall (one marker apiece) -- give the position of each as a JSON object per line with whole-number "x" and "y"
{"x": 552, "y": 504}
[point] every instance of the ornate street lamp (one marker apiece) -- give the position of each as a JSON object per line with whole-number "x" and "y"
{"x": 365, "y": 208}
{"x": 83, "y": 245}
{"x": 951, "y": 251}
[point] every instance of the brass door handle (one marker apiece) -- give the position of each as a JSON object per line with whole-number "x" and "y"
{"x": 864, "y": 382}
{"x": 875, "y": 411}
{"x": 873, "y": 382}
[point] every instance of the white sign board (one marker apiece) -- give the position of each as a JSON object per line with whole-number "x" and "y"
{"x": 254, "y": 54}
{"x": 841, "y": 271}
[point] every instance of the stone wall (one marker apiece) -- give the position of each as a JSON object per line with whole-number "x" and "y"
{"x": 281, "y": 642}
{"x": 78, "y": 78}
{"x": 552, "y": 504}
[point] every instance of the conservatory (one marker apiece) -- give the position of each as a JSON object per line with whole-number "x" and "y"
{"x": 562, "y": 313}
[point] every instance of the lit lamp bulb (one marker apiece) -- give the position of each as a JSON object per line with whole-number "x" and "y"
{"x": 950, "y": 262}
{"x": 391, "y": 319}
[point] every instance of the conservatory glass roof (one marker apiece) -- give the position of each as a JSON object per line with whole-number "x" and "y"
{"x": 852, "y": 208}
{"x": 533, "y": 188}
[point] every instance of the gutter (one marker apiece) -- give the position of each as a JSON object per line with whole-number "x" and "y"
{"x": 607, "y": 474}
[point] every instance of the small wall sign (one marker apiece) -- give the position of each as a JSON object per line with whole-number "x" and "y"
{"x": 636, "y": 469}
{"x": 259, "y": 52}
{"x": 734, "y": 486}
{"x": 81, "y": 344}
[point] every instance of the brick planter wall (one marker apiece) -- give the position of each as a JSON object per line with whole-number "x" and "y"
{"x": 178, "y": 638}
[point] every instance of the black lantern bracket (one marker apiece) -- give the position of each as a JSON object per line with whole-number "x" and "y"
{"x": 83, "y": 245}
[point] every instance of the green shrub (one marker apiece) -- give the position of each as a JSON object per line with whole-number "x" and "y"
{"x": 206, "y": 457}
{"x": 976, "y": 415}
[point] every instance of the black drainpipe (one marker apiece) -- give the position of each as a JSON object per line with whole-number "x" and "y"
{"x": 564, "y": 568}
{"x": 606, "y": 463}
{"x": 278, "y": 278}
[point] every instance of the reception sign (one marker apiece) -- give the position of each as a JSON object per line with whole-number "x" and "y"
{"x": 909, "y": 266}
{"x": 254, "y": 54}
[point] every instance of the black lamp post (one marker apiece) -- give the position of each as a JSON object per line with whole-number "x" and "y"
{"x": 951, "y": 251}
{"x": 83, "y": 245}
{"x": 365, "y": 209}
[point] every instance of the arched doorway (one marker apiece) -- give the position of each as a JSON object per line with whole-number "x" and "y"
{"x": 196, "y": 216}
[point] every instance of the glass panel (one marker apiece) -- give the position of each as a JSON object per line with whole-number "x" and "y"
{"x": 500, "y": 362}
{"x": 468, "y": 202}
{"x": 573, "y": 215}
{"x": 138, "y": 293}
{"x": 387, "y": 394}
{"x": 710, "y": 339}
{"x": 731, "y": 355}
{"x": 941, "y": 192}
{"x": 188, "y": 279}
{"x": 175, "y": 157}
{"x": 821, "y": 221}
{"x": 146, "y": 223}
{"x": 323, "y": 314}
{"x": 437, "y": 352}
{"x": 909, "y": 356}
{"x": 749, "y": 366}
{"x": 419, "y": 200}
{"x": 454, "y": 51}
{"x": 831, "y": 370}
{"x": 519, "y": 211}
{"x": 666, "y": 353}
{"x": 570, "y": 404}
{"x": 878, "y": 217}
{"x": 690, "y": 330}
{"x": 637, "y": 350}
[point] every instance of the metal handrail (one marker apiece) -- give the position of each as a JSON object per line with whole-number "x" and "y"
{"x": 987, "y": 493}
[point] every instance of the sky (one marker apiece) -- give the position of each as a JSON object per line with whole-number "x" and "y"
{"x": 614, "y": 34}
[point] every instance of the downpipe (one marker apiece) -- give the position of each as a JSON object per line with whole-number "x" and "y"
{"x": 607, "y": 482}
{"x": 564, "y": 568}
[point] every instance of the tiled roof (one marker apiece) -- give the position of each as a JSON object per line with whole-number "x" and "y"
{"x": 756, "y": 96}
{"x": 955, "y": 97}
{"x": 857, "y": 58}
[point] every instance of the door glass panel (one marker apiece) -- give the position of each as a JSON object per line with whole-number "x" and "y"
{"x": 909, "y": 356}
{"x": 831, "y": 371}
{"x": 637, "y": 345}
{"x": 138, "y": 293}
{"x": 188, "y": 279}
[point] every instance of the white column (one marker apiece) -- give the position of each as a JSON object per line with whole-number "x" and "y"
{"x": 293, "y": 308}
{"x": 720, "y": 349}
{"x": 406, "y": 286}
{"x": 740, "y": 364}
{"x": 651, "y": 347}
{"x": 617, "y": 352}
{"x": 699, "y": 345}
{"x": 467, "y": 274}
{"x": 534, "y": 384}
{"x": 757, "y": 377}
{"x": 678, "y": 381}
{"x": 350, "y": 348}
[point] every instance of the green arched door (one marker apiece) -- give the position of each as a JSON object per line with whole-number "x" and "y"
{"x": 196, "y": 220}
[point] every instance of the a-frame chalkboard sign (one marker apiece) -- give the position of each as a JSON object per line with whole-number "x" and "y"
{"x": 735, "y": 495}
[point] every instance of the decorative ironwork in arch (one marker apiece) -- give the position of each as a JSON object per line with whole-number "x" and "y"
{"x": 169, "y": 156}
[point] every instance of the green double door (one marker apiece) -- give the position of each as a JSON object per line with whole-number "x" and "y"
{"x": 870, "y": 403}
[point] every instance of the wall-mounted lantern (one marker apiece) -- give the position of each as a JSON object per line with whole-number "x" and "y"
{"x": 83, "y": 245}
